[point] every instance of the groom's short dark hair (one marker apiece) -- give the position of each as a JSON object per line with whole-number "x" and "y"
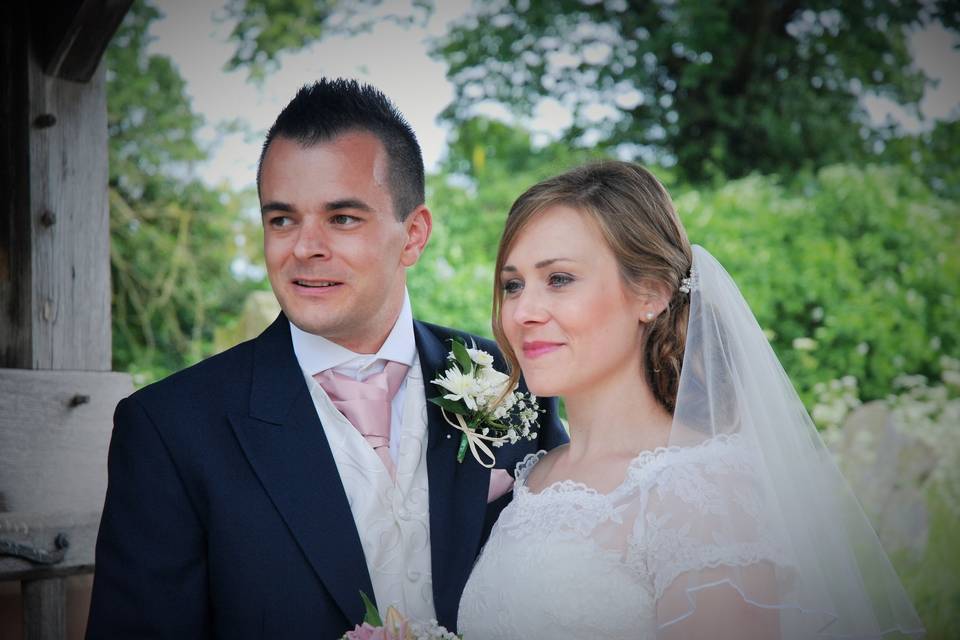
{"x": 330, "y": 107}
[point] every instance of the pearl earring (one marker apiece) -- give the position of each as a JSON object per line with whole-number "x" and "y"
{"x": 650, "y": 315}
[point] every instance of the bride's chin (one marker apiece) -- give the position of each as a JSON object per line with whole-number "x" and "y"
{"x": 540, "y": 387}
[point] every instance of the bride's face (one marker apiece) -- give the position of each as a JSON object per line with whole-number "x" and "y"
{"x": 566, "y": 312}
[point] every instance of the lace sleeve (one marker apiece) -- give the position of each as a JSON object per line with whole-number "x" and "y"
{"x": 524, "y": 467}
{"x": 700, "y": 520}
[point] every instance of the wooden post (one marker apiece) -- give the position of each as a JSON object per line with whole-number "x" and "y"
{"x": 42, "y": 599}
{"x": 57, "y": 286}
{"x": 54, "y": 298}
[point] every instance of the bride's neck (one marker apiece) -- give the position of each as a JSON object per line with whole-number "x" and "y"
{"x": 616, "y": 417}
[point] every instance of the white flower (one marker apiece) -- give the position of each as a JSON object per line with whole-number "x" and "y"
{"x": 491, "y": 384}
{"x": 804, "y": 344}
{"x": 462, "y": 386}
{"x": 496, "y": 411}
{"x": 480, "y": 357}
{"x": 951, "y": 377}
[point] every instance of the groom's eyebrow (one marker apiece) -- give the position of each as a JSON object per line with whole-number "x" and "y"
{"x": 275, "y": 206}
{"x": 348, "y": 203}
{"x": 334, "y": 205}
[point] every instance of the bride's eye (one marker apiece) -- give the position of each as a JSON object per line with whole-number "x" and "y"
{"x": 512, "y": 286}
{"x": 558, "y": 280}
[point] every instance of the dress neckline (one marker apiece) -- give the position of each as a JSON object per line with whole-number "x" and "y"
{"x": 641, "y": 461}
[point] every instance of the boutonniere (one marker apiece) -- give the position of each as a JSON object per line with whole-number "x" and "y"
{"x": 395, "y": 626}
{"x": 477, "y": 403}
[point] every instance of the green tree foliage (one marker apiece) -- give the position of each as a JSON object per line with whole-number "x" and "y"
{"x": 851, "y": 271}
{"x": 172, "y": 238}
{"x": 932, "y": 154}
{"x": 265, "y": 29}
{"x": 721, "y": 88}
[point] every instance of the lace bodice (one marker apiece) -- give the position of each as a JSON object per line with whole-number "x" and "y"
{"x": 572, "y": 562}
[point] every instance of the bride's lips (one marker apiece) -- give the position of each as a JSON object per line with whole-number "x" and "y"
{"x": 539, "y": 348}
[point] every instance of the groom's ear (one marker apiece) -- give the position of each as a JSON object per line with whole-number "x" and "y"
{"x": 417, "y": 227}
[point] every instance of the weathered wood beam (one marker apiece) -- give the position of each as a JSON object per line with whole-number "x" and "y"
{"x": 75, "y": 34}
{"x": 54, "y": 433}
{"x": 15, "y": 295}
{"x": 55, "y": 238}
{"x": 54, "y": 294}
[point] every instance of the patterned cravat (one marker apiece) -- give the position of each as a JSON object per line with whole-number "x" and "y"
{"x": 367, "y": 404}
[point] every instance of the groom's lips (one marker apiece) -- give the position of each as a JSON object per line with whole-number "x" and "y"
{"x": 538, "y": 348}
{"x": 315, "y": 286}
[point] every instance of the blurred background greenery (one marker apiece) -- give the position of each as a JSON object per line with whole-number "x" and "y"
{"x": 842, "y": 233}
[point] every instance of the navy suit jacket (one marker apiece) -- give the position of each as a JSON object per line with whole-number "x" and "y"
{"x": 225, "y": 515}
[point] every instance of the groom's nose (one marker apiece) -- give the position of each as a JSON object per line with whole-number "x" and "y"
{"x": 312, "y": 240}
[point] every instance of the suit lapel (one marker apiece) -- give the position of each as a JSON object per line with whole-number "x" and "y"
{"x": 457, "y": 491}
{"x": 285, "y": 443}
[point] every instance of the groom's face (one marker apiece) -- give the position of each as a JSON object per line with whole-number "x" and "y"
{"x": 335, "y": 252}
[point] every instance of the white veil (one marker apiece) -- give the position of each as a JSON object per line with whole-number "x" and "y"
{"x": 810, "y": 554}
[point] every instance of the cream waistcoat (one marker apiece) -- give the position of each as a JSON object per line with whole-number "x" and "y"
{"x": 393, "y": 520}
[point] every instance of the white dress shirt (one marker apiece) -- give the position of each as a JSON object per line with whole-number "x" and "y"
{"x": 316, "y": 353}
{"x": 392, "y": 517}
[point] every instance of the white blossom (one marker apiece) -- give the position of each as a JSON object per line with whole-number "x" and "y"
{"x": 480, "y": 357}
{"x": 462, "y": 386}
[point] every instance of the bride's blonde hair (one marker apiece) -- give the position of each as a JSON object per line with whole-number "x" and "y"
{"x": 640, "y": 225}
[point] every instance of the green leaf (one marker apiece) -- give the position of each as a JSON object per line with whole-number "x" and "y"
{"x": 371, "y": 616}
{"x": 453, "y": 406}
{"x": 497, "y": 426}
{"x": 460, "y": 353}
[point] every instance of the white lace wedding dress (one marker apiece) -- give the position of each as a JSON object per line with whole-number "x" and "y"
{"x": 570, "y": 562}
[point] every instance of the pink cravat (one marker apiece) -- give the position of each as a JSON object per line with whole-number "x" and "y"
{"x": 367, "y": 404}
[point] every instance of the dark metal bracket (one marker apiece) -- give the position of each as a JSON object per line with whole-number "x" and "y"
{"x": 35, "y": 555}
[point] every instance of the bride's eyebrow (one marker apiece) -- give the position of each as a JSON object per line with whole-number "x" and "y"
{"x": 509, "y": 268}
{"x": 550, "y": 261}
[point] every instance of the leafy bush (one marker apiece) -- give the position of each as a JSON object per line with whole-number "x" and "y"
{"x": 852, "y": 271}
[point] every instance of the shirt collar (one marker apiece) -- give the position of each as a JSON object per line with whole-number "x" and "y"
{"x": 316, "y": 353}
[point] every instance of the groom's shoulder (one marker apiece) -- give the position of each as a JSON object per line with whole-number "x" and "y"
{"x": 445, "y": 334}
{"x": 204, "y": 383}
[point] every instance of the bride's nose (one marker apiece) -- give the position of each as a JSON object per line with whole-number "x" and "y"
{"x": 530, "y": 308}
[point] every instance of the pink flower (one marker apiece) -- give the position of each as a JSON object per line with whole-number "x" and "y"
{"x": 368, "y": 632}
{"x": 364, "y": 632}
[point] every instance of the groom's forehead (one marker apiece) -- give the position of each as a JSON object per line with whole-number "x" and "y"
{"x": 348, "y": 168}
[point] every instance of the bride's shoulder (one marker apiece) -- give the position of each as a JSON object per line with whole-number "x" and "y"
{"x": 714, "y": 474}
{"x": 537, "y": 465}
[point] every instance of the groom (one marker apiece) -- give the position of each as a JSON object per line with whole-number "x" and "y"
{"x": 256, "y": 494}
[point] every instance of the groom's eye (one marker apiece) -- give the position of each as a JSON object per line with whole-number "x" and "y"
{"x": 279, "y": 221}
{"x": 343, "y": 219}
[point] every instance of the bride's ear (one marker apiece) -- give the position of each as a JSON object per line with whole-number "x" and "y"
{"x": 653, "y": 300}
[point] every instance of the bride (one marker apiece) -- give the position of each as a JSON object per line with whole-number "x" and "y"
{"x": 695, "y": 498}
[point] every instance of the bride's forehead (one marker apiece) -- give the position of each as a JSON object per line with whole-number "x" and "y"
{"x": 554, "y": 233}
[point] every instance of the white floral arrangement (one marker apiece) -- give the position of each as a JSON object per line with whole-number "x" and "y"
{"x": 483, "y": 408}
{"x": 395, "y": 626}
